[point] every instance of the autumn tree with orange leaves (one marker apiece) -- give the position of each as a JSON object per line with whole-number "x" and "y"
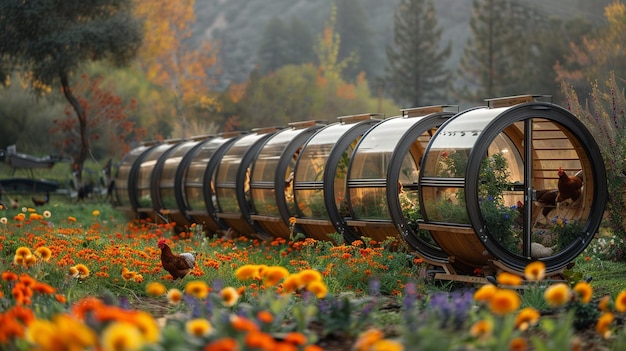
{"x": 169, "y": 60}
{"x": 108, "y": 128}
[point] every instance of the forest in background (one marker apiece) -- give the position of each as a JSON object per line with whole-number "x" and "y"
{"x": 223, "y": 80}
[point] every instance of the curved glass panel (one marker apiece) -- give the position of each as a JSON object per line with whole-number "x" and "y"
{"x": 168, "y": 175}
{"x": 225, "y": 179}
{"x": 443, "y": 174}
{"x": 264, "y": 173}
{"x": 144, "y": 177}
{"x": 123, "y": 174}
{"x": 194, "y": 178}
{"x": 369, "y": 166}
{"x": 501, "y": 192}
{"x": 309, "y": 177}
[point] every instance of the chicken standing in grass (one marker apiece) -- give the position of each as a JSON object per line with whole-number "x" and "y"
{"x": 178, "y": 265}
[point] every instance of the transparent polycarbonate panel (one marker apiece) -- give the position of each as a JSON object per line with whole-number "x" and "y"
{"x": 266, "y": 163}
{"x": 315, "y": 154}
{"x": 265, "y": 202}
{"x": 144, "y": 177}
{"x": 500, "y": 192}
{"x": 369, "y": 203}
{"x": 227, "y": 198}
{"x": 371, "y": 158}
{"x": 447, "y": 156}
{"x": 173, "y": 160}
{"x": 123, "y": 172}
{"x": 229, "y": 165}
{"x": 195, "y": 198}
{"x": 311, "y": 203}
{"x": 201, "y": 158}
{"x": 445, "y": 204}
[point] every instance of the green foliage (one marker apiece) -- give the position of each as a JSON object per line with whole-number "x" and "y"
{"x": 497, "y": 60}
{"x": 299, "y": 93}
{"x": 605, "y": 117}
{"x": 417, "y": 75}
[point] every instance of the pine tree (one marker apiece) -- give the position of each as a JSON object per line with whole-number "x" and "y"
{"x": 502, "y": 55}
{"x": 416, "y": 74}
{"x": 274, "y": 46}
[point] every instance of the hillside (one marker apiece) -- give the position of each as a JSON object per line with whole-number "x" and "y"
{"x": 239, "y": 24}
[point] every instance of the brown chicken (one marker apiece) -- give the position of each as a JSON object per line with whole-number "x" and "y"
{"x": 41, "y": 202}
{"x": 569, "y": 186}
{"x": 178, "y": 265}
{"x": 547, "y": 199}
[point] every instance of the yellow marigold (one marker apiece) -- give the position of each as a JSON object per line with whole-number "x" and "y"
{"x": 44, "y": 253}
{"x": 292, "y": 220}
{"x": 367, "y": 339}
{"x": 197, "y": 288}
{"x": 23, "y": 252}
{"x": 526, "y": 318}
{"x": 504, "y": 301}
{"x": 148, "y": 327}
{"x": 95, "y": 213}
{"x": 292, "y": 283}
{"x": 229, "y": 296}
{"x": 199, "y": 327}
{"x": 387, "y": 345}
{"x": 620, "y": 301}
{"x": 518, "y": 344}
{"x": 603, "y": 324}
{"x": 246, "y": 272}
{"x": 310, "y": 275}
{"x": 83, "y": 271}
{"x": 318, "y": 288}
{"x": 535, "y": 271}
{"x": 481, "y": 329}
{"x": 509, "y": 279}
{"x": 31, "y": 210}
{"x": 273, "y": 275}
{"x": 174, "y": 296}
{"x": 584, "y": 291}
{"x": 75, "y": 334}
{"x": 485, "y": 292}
{"x": 557, "y": 294}
{"x": 121, "y": 336}
{"x": 155, "y": 289}
{"x": 128, "y": 275}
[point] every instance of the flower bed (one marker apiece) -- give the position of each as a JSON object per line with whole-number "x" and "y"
{"x": 90, "y": 284}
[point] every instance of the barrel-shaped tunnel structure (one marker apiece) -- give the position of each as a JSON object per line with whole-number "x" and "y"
{"x": 488, "y": 188}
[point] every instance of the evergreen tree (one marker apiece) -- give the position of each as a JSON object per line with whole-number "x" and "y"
{"x": 284, "y": 44}
{"x": 416, "y": 73}
{"x": 274, "y": 46}
{"x": 502, "y": 55}
{"x": 352, "y": 27}
{"x": 301, "y": 42}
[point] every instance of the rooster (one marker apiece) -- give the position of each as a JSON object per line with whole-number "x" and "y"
{"x": 569, "y": 186}
{"x": 177, "y": 265}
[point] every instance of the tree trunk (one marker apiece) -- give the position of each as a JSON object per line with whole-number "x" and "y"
{"x": 78, "y": 160}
